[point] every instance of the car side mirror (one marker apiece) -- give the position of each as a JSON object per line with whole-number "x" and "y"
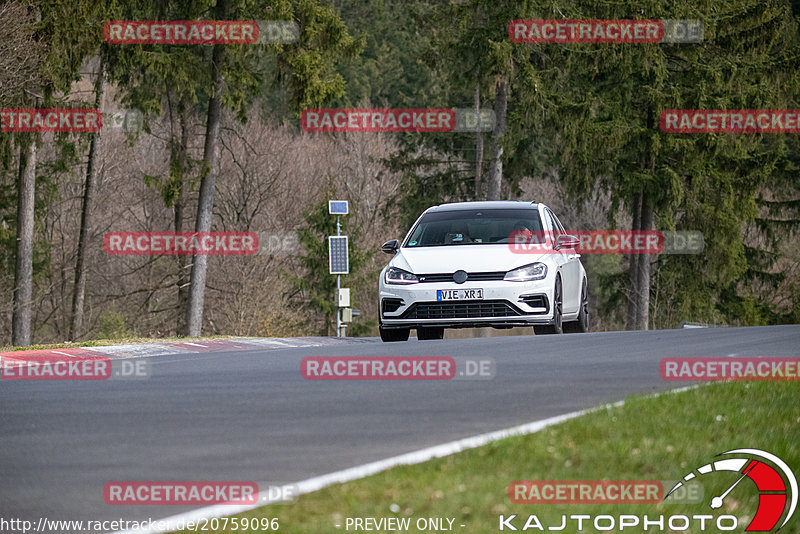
{"x": 566, "y": 241}
{"x": 391, "y": 247}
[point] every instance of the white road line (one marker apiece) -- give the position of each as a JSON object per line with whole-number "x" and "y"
{"x": 310, "y": 485}
{"x": 193, "y": 344}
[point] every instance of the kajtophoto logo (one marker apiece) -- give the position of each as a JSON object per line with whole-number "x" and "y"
{"x": 774, "y": 481}
{"x": 771, "y": 484}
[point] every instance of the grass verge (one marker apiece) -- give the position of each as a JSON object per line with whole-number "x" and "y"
{"x": 649, "y": 438}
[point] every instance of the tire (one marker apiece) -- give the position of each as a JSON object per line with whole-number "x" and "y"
{"x": 557, "y": 327}
{"x": 429, "y": 332}
{"x": 394, "y": 334}
{"x": 581, "y": 326}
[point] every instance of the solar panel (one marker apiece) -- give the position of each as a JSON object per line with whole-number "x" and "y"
{"x": 338, "y": 207}
{"x": 338, "y": 262}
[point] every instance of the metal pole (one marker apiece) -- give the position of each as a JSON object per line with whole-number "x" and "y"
{"x": 338, "y": 286}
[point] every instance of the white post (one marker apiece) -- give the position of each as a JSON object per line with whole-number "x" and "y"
{"x": 338, "y": 286}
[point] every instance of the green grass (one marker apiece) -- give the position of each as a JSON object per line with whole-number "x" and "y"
{"x": 649, "y": 438}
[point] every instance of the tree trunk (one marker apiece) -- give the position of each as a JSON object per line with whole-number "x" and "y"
{"x": 633, "y": 269}
{"x": 478, "y": 146}
{"x": 183, "y": 261}
{"x": 496, "y": 167}
{"x": 643, "y": 278}
{"x": 23, "y": 271}
{"x": 79, "y": 291}
{"x": 205, "y": 203}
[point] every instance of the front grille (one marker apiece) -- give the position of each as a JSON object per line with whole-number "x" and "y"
{"x": 461, "y": 310}
{"x": 471, "y": 277}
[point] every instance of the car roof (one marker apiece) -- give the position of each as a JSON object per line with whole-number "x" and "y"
{"x": 492, "y": 204}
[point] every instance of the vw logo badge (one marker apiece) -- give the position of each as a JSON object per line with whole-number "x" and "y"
{"x": 459, "y": 277}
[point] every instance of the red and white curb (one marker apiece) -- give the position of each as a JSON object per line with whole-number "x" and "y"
{"x": 146, "y": 350}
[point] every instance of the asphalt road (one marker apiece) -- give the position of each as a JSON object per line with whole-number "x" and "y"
{"x": 249, "y": 415}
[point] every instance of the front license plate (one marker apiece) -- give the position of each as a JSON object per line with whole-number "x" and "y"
{"x": 459, "y": 294}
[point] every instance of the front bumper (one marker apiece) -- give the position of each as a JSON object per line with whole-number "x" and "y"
{"x": 504, "y": 304}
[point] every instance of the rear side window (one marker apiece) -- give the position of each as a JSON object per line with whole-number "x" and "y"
{"x": 555, "y": 223}
{"x": 560, "y": 226}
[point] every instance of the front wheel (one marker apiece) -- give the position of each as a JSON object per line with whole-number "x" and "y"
{"x": 557, "y": 326}
{"x": 582, "y": 324}
{"x": 394, "y": 334}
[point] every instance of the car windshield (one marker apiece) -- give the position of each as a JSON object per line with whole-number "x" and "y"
{"x": 472, "y": 227}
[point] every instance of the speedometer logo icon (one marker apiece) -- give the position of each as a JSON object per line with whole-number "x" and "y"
{"x": 775, "y": 487}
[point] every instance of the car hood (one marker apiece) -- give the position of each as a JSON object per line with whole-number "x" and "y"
{"x": 470, "y": 258}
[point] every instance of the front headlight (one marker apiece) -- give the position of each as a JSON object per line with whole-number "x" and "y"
{"x": 527, "y": 273}
{"x": 394, "y": 275}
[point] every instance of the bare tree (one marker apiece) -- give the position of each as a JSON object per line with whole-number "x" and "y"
{"x": 634, "y": 311}
{"x": 642, "y": 289}
{"x": 205, "y": 205}
{"x": 478, "y": 146}
{"x": 23, "y": 272}
{"x": 20, "y": 53}
{"x": 20, "y": 61}
{"x": 496, "y": 164}
{"x": 86, "y": 211}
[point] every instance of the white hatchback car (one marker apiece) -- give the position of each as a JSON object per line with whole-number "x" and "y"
{"x": 459, "y": 267}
